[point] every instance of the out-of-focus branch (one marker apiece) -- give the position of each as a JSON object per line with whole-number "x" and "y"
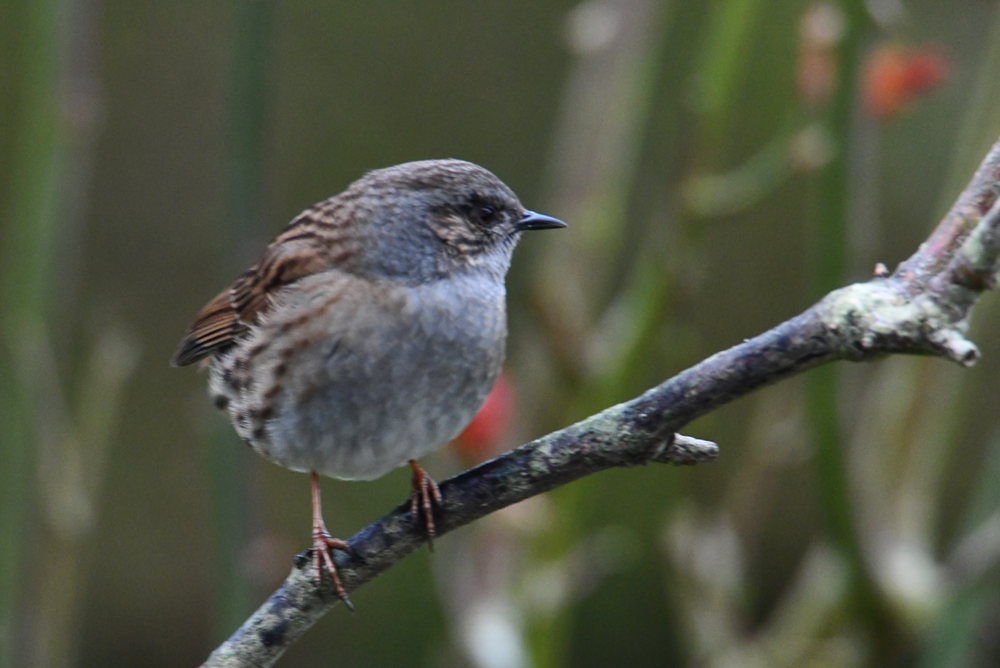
{"x": 922, "y": 308}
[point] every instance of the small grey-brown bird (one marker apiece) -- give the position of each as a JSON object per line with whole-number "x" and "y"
{"x": 370, "y": 331}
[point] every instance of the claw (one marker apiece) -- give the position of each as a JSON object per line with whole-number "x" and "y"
{"x": 322, "y": 544}
{"x": 425, "y": 494}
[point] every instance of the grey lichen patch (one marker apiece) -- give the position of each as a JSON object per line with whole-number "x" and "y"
{"x": 979, "y": 251}
{"x": 542, "y": 455}
{"x": 880, "y": 317}
{"x": 610, "y": 424}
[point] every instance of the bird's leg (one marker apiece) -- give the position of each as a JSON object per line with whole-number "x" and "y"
{"x": 323, "y": 543}
{"x": 423, "y": 497}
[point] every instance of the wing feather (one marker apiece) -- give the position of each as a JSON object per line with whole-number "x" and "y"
{"x": 309, "y": 245}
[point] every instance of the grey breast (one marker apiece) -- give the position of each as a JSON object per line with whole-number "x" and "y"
{"x": 377, "y": 378}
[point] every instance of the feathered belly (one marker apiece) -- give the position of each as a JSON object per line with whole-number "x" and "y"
{"x": 356, "y": 402}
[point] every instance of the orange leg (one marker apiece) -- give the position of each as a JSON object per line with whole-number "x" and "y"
{"x": 423, "y": 497}
{"x": 323, "y": 543}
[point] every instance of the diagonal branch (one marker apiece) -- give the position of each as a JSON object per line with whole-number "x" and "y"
{"x": 922, "y": 308}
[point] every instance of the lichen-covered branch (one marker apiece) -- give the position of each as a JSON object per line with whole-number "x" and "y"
{"x": 922, "y": 308}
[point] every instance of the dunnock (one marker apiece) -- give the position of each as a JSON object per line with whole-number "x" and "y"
{"x": 370, "y": 331}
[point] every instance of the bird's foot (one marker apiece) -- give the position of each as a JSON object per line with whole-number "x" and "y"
{"x": 424, "y": 496}
{"x": 322, "y": 557}
{"x": 323, "y": 543}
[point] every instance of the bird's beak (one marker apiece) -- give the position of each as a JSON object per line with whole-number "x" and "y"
{"x": 536, "y": 221}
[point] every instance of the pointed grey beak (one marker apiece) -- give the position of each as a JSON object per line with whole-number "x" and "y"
{"x": 536, "y": 221}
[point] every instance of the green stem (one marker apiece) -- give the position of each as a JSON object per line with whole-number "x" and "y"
{"x": 830, "y": 262}
{"x": 26, "y": 267}
{"x": 227, "y": 459}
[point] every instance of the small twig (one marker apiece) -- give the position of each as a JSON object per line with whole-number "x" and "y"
{"x": 922, "y": 308}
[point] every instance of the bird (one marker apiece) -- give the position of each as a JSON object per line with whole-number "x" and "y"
{"x": 370, "y": 331}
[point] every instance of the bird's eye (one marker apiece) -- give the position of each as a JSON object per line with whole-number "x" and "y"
{"x": 486, "y": 213}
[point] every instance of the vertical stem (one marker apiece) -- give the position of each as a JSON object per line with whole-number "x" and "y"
{"x": 247, "y": 111}
{"x": 227, "y": 459}
{"x": 830, "y": 262}
{"x": 26, "y": 269}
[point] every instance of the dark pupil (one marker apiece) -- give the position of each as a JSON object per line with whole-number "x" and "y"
{"x": 486, "y": 213}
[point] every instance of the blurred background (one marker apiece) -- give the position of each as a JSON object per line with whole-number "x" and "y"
{"x": 721, "y": 165}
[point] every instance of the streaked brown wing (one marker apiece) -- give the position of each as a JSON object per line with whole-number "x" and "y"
{"x": 215, "y": 328}
{"x": 309, "y": 245}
